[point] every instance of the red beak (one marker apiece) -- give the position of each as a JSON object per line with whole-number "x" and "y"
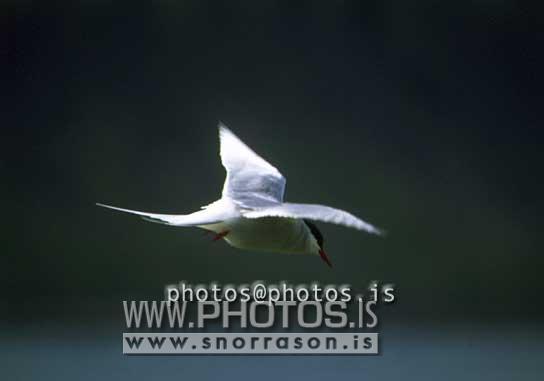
{"x": 324, "y": 257}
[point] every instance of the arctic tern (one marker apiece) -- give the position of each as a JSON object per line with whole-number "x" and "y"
{"x": 251, "y": 213}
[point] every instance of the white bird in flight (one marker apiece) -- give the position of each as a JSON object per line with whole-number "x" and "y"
{"x": 251, "y": 213}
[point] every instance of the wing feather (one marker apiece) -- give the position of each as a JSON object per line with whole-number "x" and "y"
{"x": 314, "y": 212}
{"x": 251, "y": 181}
{"x": 210, "y": 215}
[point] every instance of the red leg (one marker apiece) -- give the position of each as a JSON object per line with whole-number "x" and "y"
{"x": 218, "y": 236}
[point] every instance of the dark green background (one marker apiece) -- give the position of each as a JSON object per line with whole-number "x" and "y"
{"x": 424, "y": 118}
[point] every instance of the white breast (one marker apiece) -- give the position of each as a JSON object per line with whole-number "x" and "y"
{"x": 286, "y": 235}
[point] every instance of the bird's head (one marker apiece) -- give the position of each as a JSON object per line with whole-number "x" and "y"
{"x": 318, "y": 238}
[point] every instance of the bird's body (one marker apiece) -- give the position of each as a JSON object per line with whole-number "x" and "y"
{"x": 274, "y": 234}
{"x": 251, "y": 213}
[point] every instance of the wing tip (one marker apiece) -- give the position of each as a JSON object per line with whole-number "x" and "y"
{"x": 110, "y": 207}
{"x": 226, "y": 134}
{"x": 223, "y": 129}
{"x": 377, "y": 231}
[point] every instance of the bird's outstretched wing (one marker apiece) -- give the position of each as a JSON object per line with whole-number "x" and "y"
{"x": 251, "y": 181}
{"x": 314, "y": 212}
{"x": 209, "y": 215}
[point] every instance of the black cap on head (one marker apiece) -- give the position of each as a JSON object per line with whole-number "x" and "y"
{"x": 315, "y": 232}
